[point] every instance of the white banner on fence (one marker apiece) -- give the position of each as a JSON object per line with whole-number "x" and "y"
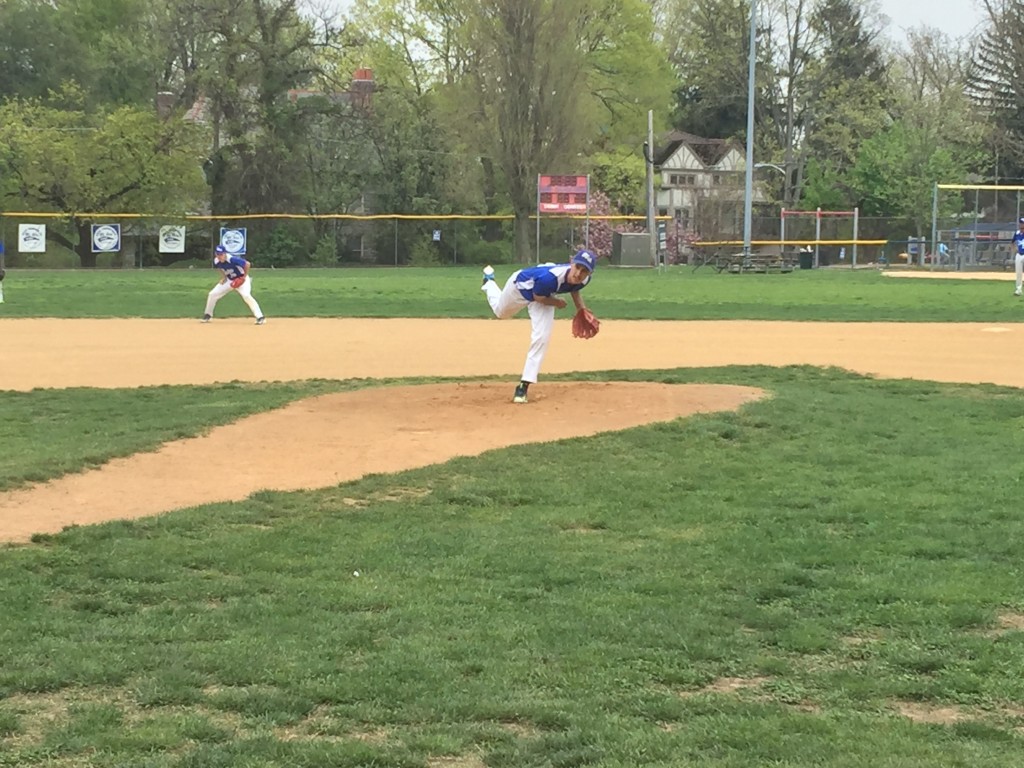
{"x": 172, "y": 239}
{"x": 31, "y": 238}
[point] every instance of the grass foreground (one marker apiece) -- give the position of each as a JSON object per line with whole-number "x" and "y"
{"x": 829, "y": 577}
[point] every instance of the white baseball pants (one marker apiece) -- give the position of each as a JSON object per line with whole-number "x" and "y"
{"x": 506, "y": 302}
{"x": 1019, "y": 261}
{"x": 244, "y": 290}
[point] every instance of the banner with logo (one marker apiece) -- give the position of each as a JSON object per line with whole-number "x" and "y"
{"x": 31, "y": 238}
{"x": 106, "y": 238}
{"x": 233, "y": 240}
{"x": 172, "y": 239}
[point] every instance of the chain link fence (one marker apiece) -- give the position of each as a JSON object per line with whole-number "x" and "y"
{"x": 403, "y": 240}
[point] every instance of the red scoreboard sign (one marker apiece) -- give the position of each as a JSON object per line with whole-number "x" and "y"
{"x": 563, "y": 194}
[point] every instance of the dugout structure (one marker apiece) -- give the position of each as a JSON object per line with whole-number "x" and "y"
{"x": 809, "y": 238}
{"x": 973, "y": 226}
{"x": 819, "y": 216}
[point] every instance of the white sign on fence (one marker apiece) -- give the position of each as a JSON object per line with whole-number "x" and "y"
{"x": 31, "y": 238}
{"x": 172, "y": 239}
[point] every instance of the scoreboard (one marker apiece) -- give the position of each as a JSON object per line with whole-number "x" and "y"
{"x": 563, "y": 194}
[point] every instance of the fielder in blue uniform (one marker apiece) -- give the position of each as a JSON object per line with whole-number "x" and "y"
{"x": 234, "y": 277}
{"x": 1018, "y": 249}
{"x": 537, "y": 289}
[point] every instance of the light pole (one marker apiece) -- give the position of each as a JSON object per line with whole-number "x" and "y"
{"x": 748, "y": 193}
{"x": 649, "y": 166}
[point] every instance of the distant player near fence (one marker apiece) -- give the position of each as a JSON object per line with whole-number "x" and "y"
{"x": 1018, "y": 248}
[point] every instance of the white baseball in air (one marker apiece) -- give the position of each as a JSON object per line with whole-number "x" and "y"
{"x": 355, "y": 573}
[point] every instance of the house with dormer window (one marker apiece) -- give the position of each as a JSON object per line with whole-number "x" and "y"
{"x": 700, "y": 184}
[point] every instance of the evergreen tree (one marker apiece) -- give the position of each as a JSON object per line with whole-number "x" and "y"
{"x": 996, "y": 69}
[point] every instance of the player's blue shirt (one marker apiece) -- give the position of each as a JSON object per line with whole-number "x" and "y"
{"x": 546, "y": 281}
{"x": 232, "y": 266}
{"x": 1018, "y": 241}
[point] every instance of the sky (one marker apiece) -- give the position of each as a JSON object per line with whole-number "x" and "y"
{"x": 956, "y": 18}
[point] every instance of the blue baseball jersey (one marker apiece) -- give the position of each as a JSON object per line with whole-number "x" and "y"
{"x": 232, "y": 266}
{"x": 546, "y": 281}
{"x": 1018, "y": 241}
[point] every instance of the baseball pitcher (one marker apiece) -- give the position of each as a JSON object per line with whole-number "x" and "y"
{"x": 537, "y": 289}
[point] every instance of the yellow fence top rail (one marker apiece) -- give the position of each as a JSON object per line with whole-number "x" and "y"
{"x": 1006, "y": 187}
{"x": 800, "y": 243}
{"x": 355, "y": 216}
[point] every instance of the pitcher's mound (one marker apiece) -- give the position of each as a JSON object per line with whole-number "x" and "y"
{"x": 332, "y": 439}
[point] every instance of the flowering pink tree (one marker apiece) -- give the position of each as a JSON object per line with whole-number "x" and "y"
{"x": 678, "y": 239}
{"x": 602, "y": 229}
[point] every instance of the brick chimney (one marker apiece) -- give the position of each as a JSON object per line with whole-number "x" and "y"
{"x": 362, "y": 88}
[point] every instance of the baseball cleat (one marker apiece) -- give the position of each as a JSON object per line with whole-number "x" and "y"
{"x": 488, "y": 273}
{"x": 260, "y": 320}
{"x": 206, "y": 319}
{"x": 520, "y": 395}
{"x": 1017, "y": 292}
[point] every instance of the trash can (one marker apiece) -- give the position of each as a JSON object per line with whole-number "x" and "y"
{"x": 806, "y": 259}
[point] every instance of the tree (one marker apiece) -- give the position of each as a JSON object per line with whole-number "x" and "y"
{"x": 992, "y": 82}
{"x": 601, "y": 232}
{"x": 849, "y": 92}
{"x": 241, "y": 64}
{"x": 547, "y": 74}
{"x": 621, "y": 175}
{"x": 34, "y": 55}
{"x": 95, "y": 44}
{"x": 708, "y": 46}
{"x": 895, "y": 173}
{"x": 520, "y": 88}
{"x": 64, "y": 160}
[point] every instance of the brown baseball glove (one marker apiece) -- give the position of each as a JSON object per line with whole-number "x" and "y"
{"x": 585, "y": 325}
{"x": 237, "y": 282}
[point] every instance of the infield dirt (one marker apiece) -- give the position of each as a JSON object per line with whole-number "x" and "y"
{"x": 387, "y": 429}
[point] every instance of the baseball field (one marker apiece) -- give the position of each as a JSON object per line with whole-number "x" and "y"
{"x": 758, "y": 520}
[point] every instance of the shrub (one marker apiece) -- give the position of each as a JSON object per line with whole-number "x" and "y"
{"x": 326, "y": 253}
{"x": 283, "y": 248}
{"x": 481, "y": 252}
{"x": 424, "y": 253}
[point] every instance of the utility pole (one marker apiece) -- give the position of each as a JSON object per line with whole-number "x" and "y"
{"x": 748, "y": 193}
{"x": 649, "y": 163}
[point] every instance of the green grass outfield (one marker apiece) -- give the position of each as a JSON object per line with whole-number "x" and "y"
{"x": 677, "y": 293}
{"x": 780, "y": 586}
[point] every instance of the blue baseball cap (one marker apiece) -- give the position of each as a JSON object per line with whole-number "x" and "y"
{"x": 586, "y": 258}
{"x": 220, "y": 249}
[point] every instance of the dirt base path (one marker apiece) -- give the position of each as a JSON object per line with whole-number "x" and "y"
{"x": 133, "y": 353}
{"x": 392, "y": 428}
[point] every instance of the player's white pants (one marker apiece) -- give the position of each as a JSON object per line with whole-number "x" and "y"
{"x": 1020, "y": 270}
{"x": 505, "y": 303}
{"x": 244, "y": 290}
